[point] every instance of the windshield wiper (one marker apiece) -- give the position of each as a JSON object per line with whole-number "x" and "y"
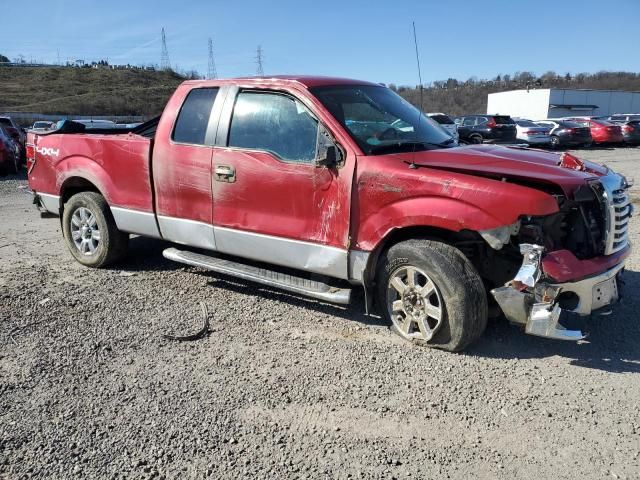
{"x": 409, "y": 143}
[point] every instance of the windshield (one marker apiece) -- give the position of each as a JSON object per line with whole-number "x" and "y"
{"x": 442, "y": 119}
{"x": 380, "y": 121}
{"x": 568, "y": 124}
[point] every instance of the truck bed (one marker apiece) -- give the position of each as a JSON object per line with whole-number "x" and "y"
{"x": 102, "y": 158}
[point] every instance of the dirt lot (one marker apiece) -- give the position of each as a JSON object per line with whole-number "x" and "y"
{"x": 285, "y": 387}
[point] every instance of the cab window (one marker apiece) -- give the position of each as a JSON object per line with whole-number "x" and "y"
{"x": 275, "y": 123}
{"x": 193, "y": 119}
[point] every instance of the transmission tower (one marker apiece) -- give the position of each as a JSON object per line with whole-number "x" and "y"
{"x": 211, "y": 70}
{"x": 259, "y": 60}
{"x": 165, "y": 64}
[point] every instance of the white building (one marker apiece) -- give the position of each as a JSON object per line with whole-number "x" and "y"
{"x": 541, "y": 103}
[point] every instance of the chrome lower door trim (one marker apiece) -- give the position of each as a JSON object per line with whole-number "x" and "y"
{"x": 50, "y": 202}
{"x": 187, "y": 232}
{"x": 307, "y": 256}
{"x": 135, "y": 221}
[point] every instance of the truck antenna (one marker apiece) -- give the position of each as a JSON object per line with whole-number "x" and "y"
{"x": 415, "y": 42}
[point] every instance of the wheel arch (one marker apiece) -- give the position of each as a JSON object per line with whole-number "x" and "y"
{"x": 74, "y": 185}
{"x": 427, "y": 232}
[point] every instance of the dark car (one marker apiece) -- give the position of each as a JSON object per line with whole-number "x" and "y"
{"x": 486, "y": 128}
{"x": 602, "y": 131}
{"x": 630, "y": 124}
{"x": 567, "y": 134}
{"x": 631, "y": 132}
{"x": 9, "y": 153}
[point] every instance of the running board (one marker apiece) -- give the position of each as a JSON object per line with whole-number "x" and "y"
{"x": 271, "y": 278}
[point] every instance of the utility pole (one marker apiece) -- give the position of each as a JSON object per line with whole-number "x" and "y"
{"x": 211, "y": 70}
{"x": 165, "y": 64}
{"x": 259, "y": 61}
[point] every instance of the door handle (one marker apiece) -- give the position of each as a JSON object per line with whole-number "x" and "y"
{"x": 225, "y": 173}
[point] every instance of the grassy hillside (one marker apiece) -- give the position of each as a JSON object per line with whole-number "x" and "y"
{"x": 85, "y": 91}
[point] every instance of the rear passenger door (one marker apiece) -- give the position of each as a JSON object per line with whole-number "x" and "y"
{"x": 182, "y": 169}
{"x": 271, "y": 202}
{"x": 465, "y": 126}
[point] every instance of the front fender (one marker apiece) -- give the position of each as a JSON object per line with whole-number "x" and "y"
{"x": 453, "y": 214}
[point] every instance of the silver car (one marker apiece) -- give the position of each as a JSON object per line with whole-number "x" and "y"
{"x": 532, "y": 133}
{"x": 445, "y": 122}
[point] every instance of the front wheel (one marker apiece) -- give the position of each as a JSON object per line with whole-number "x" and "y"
{"x": 555, "y": 141}
{"x": 90, "y": 231}
{"x": 431, "y": 294}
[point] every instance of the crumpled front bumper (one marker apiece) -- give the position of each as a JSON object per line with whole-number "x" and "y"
{"x": 533, "y": 301}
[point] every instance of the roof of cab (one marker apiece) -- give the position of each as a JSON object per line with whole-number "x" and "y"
{"x": 308, "y": 81}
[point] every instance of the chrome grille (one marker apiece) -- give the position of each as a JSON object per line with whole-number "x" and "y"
{"x": 618, "y": 210}
{"x": 621, "y": 214}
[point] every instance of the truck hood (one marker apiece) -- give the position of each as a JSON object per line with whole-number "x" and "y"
{"x": 512, "y": 163}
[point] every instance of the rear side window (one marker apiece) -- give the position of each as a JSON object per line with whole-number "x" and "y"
{"x": 5, "y": 121}
{"x": 503, "y": 120}
{"x": 193, "y": 119}
{"x": 275, "y": 123}
{"x": 469, "y": 122}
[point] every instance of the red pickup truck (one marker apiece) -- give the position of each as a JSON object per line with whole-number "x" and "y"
{"x": 320, "y": 185}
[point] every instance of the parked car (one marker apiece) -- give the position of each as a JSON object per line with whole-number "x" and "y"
{"x": 631, "y": 132}
{"x": 623, "y": 117}
{"x": 42, "y": 125}
{"x": 630, "y": 125}
{"x": 486, "y": 128}
{"x": 309, "y": 177}
{"x": 602, "y": 132}
{"x": 10, "y": 161}
{"x": 91, "y": 123}
{"x": 16, "y": 132}
{"x": 445, "y": 122}
{"x": 564, "y": 133}
{"x": 531, "y": 133}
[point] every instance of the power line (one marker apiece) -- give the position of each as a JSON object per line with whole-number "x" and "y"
{"x": 211, "y": 70}
{"x": 259, "y": 61}
{"x": 165, "y": 64}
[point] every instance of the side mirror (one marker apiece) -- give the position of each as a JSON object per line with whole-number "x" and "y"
{"x": 328, "y": 154}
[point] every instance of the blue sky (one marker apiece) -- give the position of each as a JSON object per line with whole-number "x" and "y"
{"x": 370, "y": 40}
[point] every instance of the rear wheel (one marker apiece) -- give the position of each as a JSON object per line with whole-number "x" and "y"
{"x": 431, "y": 294}
{"x": 555, "y": 141}
{"x": 90, "y": 232}
{"x": 476, "y": 138}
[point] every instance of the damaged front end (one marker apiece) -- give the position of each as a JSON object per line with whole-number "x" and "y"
{"x": 535, "y": 301}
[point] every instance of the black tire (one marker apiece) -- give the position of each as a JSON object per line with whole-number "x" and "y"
{"x": 15, "y": 165}
{"x": 112, "y": 243}
{"x": 555, "y": 141}
{"x": 460, "y": 290}
{"x": 476, "y": 139}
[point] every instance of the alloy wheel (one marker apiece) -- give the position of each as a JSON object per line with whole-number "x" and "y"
{"x": 85, "y": 232}
{"x": 414, "y": 303}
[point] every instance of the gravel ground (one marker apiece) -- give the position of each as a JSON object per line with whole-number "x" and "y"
{"x": 285, "y": 387}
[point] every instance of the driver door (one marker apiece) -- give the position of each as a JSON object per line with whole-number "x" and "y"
{"x": 271, "y": 202}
